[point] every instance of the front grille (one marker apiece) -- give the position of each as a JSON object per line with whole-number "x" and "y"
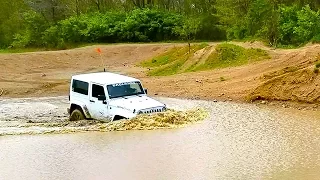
{"x": 152, "y": 110}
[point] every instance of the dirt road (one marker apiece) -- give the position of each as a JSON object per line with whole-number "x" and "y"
{"x": 286, "y": 76}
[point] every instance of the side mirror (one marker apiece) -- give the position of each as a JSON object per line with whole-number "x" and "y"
{"x": 102, "y": 97}
{"x": 146, "y": 91}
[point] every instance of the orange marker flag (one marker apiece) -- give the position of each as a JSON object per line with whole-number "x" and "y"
{"x": 98, "y": 50}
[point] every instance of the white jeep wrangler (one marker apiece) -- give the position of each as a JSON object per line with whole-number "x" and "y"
{"x": 109, "y": 96}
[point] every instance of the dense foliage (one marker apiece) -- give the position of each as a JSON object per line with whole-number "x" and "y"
{"x": 56, "y": 23}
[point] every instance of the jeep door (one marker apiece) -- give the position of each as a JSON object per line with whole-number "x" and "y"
{"x": 98, "y": 108}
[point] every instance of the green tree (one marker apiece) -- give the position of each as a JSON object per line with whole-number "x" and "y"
{"x": 188, "y": 30}
{"x": 308, "y": 24}
{"x": 287, "y": 22}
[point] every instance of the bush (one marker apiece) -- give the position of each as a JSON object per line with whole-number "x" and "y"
{"x": 316, "y": 70}
{"x": 298, "y": 26}
{"x": 21, "y": 40}
{"x": 35, "y": 25}
{"x": 308, "y": 24}
{"x": 316, "y": 39}
{"x": 140, "y": 25}
{"x": 149, "y": 25}
{"x": 287, "y": 22}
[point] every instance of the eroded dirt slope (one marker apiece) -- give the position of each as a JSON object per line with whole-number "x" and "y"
{"x": 288, "y": 75}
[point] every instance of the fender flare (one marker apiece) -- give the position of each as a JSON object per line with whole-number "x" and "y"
{"x": 116, "y": 111}
{"x": 83, "y": 108}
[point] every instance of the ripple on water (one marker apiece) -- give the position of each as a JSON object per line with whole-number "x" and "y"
{"x": 238, "y": 141}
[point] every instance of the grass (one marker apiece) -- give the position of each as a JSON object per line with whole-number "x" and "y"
{"x": 225, "y": 55}
{"x": 72, "y": 46}
{"x": 21, "y": 50}
{"x": 316, "y": 68}
{"x": 37, "y": 49}
{"x": 222, "y": 79}
{"x": 230, "y": 55}
{"x": 166, "y": 58}
{"x": 171, "y": 61}
{"x": 65, "y": 47}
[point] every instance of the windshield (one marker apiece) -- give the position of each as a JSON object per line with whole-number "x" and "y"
{"x": 125, "y": 89}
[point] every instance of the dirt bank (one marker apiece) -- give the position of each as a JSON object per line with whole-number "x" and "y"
{"x": 287, "y": 76}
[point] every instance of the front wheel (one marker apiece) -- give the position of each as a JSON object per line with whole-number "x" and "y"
{"x": 76, "y": 115}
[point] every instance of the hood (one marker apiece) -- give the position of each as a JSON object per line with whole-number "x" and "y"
{"x": 135, "y": 102}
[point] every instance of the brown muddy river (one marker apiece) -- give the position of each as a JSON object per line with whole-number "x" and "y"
{"x": 238, "y": 141}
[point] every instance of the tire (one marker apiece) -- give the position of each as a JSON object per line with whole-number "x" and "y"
{"x": 76, "y": 115}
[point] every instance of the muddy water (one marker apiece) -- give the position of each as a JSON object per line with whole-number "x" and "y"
{"x": 237, "y": 142}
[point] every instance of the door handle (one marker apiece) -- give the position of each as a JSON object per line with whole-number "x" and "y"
{"x": 92, "y": 101}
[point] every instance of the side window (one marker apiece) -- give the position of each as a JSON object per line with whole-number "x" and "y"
{"x": 80, "y": 87}
{"x": 97, "y": 90}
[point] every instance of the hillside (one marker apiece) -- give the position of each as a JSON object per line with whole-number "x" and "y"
{"x": 283, "y": 75}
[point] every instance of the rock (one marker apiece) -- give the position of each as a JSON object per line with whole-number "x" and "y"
{"x": 284, "y": 106}
{"x": 156, "y": 94}
{"x": 230, "y": 99}
{"x": 215, "y": 100}
{"x": 263, "y": 102}
{"x": 195, "y": 98}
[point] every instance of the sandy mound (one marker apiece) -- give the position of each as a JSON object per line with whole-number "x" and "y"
{"x": 296, "y": 85}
